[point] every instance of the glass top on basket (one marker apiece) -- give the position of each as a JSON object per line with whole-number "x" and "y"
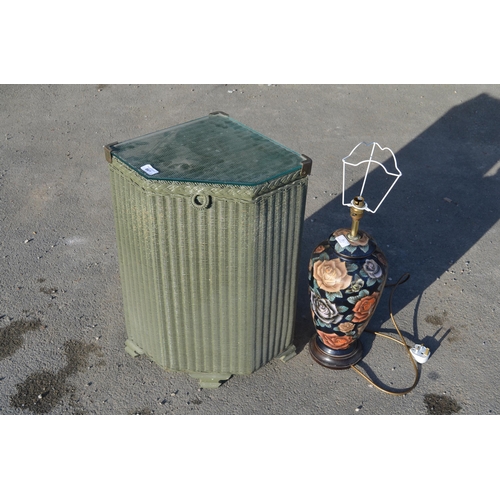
{"x": 213, "y": 149}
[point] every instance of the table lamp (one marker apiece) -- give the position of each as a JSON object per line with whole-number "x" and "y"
{"x": 348, "y": 271}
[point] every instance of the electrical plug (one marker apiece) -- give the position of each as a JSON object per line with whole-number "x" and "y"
{"x": 420, "y": 353}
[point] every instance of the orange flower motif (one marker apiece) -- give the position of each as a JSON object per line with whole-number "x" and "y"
{"x": 319, "y": 249}
{"x": 331, "y": 275}
{"x": 364, "y": 307}
{"x": 334, "y": 341}
{"x": 346, "y": 327}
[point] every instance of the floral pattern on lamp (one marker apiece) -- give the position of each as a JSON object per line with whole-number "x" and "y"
{"x": 345, "y": 286}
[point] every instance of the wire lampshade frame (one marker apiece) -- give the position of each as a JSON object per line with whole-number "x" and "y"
{"x": 370, "y": 162}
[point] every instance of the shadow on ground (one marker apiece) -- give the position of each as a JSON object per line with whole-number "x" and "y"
{"x": 444, "y": 203}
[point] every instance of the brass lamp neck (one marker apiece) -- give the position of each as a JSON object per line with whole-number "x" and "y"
{"x": 357, "y": 213}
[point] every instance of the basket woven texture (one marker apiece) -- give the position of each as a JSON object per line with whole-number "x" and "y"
{"x": 208, "y": 289}
{"x": 208, "y": 246}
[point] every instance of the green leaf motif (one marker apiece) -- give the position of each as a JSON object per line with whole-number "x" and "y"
{"x": 371, "y": 282}
{"x": 349, "y": 318}
{"x": 339, "y": 248}
{"x": 351, "y": 268}
{"x": 342, "y": 309}
{"x": 355, "y": 298}
{"x": 365, "y": 248}
{"x": 333, "y": 295}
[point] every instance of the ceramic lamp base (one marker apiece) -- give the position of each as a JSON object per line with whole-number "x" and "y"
{"x": 336, "y": 359}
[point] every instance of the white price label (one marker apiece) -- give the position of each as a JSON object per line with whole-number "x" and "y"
{"x": 149, "y": 169}
{"x": 342, "y": 241}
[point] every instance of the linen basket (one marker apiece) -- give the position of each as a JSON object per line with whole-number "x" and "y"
{"x": 208, "y": 218}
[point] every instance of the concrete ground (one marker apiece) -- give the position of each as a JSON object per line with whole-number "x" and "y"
{"x": 62, "y": 329}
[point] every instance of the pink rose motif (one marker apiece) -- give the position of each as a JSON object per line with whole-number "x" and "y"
{"x": 331, "y": 275}
{"x": 346, "y": 327}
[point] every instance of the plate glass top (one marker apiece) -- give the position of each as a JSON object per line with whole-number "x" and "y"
{"x": 212, "y": 149}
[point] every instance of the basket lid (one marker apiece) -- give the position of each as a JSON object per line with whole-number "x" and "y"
{"x": 213, "y": 149}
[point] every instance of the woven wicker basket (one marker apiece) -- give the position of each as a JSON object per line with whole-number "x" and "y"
{"x": 208, "y": 269}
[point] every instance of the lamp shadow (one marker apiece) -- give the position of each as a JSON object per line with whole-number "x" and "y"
{"x": 444, "y": 203}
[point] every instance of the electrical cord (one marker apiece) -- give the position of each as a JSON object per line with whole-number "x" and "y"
{"x": 401, "y": 392}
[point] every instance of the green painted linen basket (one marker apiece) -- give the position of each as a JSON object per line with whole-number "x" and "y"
{"x": 208, "y": 218}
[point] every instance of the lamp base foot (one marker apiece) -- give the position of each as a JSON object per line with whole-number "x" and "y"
{"x": 335, "y": 359}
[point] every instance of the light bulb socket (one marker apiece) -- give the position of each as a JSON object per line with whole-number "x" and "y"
{"x": 357, "y": 212}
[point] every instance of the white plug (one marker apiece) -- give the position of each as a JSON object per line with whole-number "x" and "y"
{"x": 420, "y": 353}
